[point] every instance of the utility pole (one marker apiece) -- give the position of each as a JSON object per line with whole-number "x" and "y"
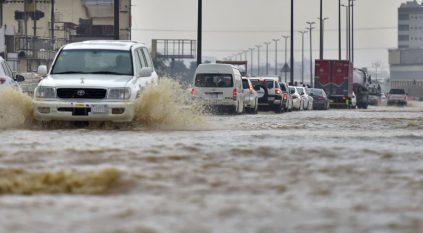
{"x": 310, "y": 28}
{"x": 116, "y": 27}
{"x": 258, "y": 59}
{"x": 321, "y": 30}
{"x": 339, "y": 29}
{"x": 322, "y": 34}
{"x": 352, "y": 31}
{"x": 292, "y": 41}
{"x": 286, "y": 55}
{"x": 276, "y": 57}
{"x": 52, "y": 19}
{"x": 199, "y": 31}
{"x": 267, "y": 57}
{"x": 302, "y": 55}
{"x": 251, "y": 66}
{"x": 347, "y": 32}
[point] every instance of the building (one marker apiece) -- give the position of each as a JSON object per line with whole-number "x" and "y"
{"x": 406, "y": 62}
{"x": 36, "y": 29}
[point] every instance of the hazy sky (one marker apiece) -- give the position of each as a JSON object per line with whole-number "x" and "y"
{"x": 231, "y": 26}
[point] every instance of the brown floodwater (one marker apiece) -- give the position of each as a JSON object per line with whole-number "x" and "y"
{"x": 341, "y": 171}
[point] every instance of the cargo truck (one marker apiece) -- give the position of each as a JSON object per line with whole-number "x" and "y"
{"x": 340, "y": 80}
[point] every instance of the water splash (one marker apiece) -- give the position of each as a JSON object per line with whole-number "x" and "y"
{"x": 165, "y": 106}
{"x": 15, "y": 109}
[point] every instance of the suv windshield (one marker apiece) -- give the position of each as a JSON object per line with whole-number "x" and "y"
{"x": 93, "y": 61}
{"x": 214, "y": 80}
{"x": 397, "y": 91}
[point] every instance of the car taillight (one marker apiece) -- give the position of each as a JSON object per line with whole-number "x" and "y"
{"x": 2, "y": 80}
{"x": 235, "y": 94}
{"x": 193, "y": 92}
{"x": 285, "y": 96}
{"x": 278, "y": 91}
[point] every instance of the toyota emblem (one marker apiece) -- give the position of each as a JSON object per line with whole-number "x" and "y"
{"x": 80, "y": 92}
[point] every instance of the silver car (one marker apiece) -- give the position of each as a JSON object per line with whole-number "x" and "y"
{"x": 307, "y": 99}
{"x": 7, "y": 78}
{"x": 297, "y": 101}
{"x": 250, "y": 96}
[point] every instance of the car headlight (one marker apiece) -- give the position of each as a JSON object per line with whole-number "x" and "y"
{"x": 45, "y": 92}
{"x": 119, "y": 93}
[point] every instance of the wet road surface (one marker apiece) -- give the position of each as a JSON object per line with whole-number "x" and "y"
{"x": 343, "y": 171}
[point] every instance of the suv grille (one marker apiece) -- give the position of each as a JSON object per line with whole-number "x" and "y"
{"x": 81, "y": 93}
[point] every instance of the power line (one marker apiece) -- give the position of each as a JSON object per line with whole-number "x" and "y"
{"x": 254, "y": 31}
{"x": 299, "y": 50}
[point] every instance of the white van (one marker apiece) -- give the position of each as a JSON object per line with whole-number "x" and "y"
{"x": 219, "y": 86}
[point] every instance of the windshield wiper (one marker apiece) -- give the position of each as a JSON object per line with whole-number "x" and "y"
{"x": 70, "y": 72}
{"x": 107, "y": 72}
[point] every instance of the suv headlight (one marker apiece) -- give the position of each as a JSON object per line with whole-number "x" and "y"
{"x": 119, "y": 93}
{"x": 45, "y": 92}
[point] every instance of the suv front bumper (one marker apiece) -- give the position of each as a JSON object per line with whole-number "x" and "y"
{"x": 123, "y": 111}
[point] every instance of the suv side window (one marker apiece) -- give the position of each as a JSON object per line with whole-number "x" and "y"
{"x": 142, "y": 58}
{"x": 147, "y": 57}
{"x": 137, "y": 61}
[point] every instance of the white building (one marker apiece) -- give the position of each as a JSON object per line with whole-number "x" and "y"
{"x": 406, "y": 62}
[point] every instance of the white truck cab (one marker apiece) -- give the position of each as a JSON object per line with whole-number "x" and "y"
{"x": 94, "y": 81}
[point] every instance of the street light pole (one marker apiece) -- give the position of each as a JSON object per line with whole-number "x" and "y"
{"x": 302, "y": 55}
{"x": 310, "y": 28}
{"x": 258, "y": 59}
{"x": 267, "y": 57}
{"x": 286, "y": 56}
{"x": 199, "y": 31}
{"x": 276, "y": 56}
{"x": 292, "y": 41}
{"x": 251, "y": 66}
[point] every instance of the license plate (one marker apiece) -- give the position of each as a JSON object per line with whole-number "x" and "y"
{"x": 213, "y": 96}
{"x": 99, "y": 108}
{"x": 79, "y": 105}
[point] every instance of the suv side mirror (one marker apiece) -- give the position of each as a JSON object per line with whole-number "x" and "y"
{"x": 42, "y": 70}
{"x": 19, "y": 78}
{"x": 145, "y": 72}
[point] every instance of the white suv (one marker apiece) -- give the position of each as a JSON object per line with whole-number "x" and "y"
{"x": 94, "y": 81}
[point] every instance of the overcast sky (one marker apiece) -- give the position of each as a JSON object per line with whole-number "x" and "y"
{"x": 234, "y": 25}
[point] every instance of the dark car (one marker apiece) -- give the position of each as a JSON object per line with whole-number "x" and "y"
{"x": 287, "y": 97}
{"x": 321, "y": 100}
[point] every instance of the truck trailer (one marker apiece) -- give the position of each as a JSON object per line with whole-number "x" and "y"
{"x": 340, "y": 80}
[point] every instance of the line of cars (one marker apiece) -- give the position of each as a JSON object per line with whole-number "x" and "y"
{"x": 222, "y": 88}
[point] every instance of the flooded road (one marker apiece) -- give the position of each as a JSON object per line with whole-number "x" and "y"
{"x": 343, "y": 171}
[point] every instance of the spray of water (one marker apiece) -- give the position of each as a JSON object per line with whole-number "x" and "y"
{"x": 15, "y": 109}
{"x": 165, "y": 106}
